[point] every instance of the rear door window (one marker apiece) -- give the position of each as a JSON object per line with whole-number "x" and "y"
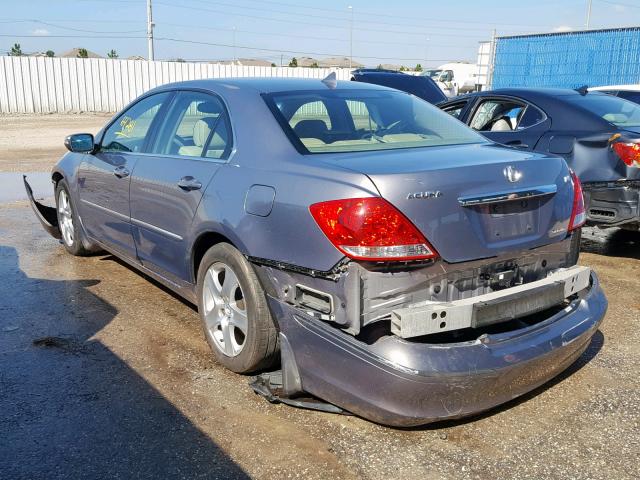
{"x": 197, "y": 125}
{"x": 497, "y": 115}
{"x": 629, "y": 95}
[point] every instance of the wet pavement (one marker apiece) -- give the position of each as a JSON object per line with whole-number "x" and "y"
{"x": 105, "y": 374}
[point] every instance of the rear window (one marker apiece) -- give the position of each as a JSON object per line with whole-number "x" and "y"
{"x": 327, "y": 121}
{"x": 614, "y": 110}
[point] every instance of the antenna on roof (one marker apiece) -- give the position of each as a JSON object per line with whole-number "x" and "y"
{"x": 583, "y": 90}
{"x": 331, "y": 80}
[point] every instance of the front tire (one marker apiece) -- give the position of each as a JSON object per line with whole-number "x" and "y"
{"x": 234, "y": 313}
{"x": 68, "y": 222}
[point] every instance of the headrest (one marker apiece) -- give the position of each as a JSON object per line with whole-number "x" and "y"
{"x": 210, "y": 107}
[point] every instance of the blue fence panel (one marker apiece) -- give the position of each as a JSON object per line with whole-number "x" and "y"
{"x": 568, "y": 60}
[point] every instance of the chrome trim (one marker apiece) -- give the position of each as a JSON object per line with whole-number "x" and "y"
{"x": 140, "y": 223}
{"x": 497, "y": 197}
{"x": 105, "y": 209}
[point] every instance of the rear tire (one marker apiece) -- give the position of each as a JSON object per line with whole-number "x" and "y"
{"x": 69, "y": 223}
{"x": 234, "y": 313}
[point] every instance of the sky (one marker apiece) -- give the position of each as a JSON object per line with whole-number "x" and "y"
{"x": 400, "y": 32}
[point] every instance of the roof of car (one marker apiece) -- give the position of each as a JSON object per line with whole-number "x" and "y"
{"x": 271, "y": 84}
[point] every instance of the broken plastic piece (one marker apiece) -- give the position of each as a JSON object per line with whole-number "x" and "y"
{"x": 269, "y": 385}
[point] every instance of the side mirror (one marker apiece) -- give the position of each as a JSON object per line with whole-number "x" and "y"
{"x": 80, "y": 143}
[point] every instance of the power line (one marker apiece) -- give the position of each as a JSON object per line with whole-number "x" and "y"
{"x": 301, "y": 22}
{"x": 245, "y": 47}
{"x": 383, "y": 42}
{"x": 368, "y": 14}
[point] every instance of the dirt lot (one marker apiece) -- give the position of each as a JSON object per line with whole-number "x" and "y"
{"x": 103, "y": 373}
{"x": 33, "y": 143}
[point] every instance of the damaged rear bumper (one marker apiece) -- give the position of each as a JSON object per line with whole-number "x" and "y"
{"x": 398, "y": 382}
{"x": 613, "y": 203}
{"x": 47, "y": 216}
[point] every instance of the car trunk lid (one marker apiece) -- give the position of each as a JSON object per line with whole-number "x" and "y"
{"x": 473, "y": 201}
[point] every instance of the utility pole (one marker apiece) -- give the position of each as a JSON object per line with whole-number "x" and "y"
{"x": 426, "y": 53}
{"x": 150, "y": 30}
{"x": 351, "y": 38}
{"x": 234, "y": 45}
{"x": 588, "y": 13}
{"x": 492, "y": 61}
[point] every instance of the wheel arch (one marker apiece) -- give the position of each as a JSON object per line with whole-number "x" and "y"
{"x": 204, "y": 242}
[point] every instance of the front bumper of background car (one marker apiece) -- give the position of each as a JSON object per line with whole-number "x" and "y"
{"x": 399, "y": 382}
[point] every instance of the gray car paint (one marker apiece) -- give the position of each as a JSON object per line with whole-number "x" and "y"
{"x": 272, "y": 226}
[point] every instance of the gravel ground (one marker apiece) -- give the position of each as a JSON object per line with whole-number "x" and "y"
{"x": 105, "y": 374}
{"x": 34, "y": 143}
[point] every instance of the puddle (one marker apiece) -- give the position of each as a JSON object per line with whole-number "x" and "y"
{"x": 12, "y": 187}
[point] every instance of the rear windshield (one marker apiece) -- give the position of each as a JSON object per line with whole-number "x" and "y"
{"x": 616, "y": 111}
{"x": 326, "y": 121}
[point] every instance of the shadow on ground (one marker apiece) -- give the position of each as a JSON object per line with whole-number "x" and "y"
{"x": 71, "y": 408}
{"x": 612, "y": 242}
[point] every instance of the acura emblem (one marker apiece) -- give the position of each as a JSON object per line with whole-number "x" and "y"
{"x": 512, "y": 174}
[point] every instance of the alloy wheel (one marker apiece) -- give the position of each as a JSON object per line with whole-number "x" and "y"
{"x": 65, "y": 217}
{"x": 225, "y": 309}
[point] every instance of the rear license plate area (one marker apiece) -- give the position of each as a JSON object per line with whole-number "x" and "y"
{"x": 508, "y": 220}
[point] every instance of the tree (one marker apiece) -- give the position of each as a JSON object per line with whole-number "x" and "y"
{"x": 50, "y": 53}
{"x": 314, "y": 65}
{"x": 82, "y": 53}
{"x": 16, "y": 51}
{"x": 293, "y": 62}
{"x": 402, "y": 68}
{"x": 418, "y": 68}
{"x": 273, "y": 64}
{"x": 112, "y": 54}
{"x": 380, "y": 67}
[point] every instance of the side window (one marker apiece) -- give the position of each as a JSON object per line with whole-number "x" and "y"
{"x": 128, "y": 133}
{"x": 497, "y": 116}
{"x": 455, "y": 109}
{"x": 197, "y": 125}
{"x": 531, "y": 116}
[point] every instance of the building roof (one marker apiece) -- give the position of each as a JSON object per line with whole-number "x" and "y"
{"x": 136, "y": 57}
{"x": 342, "y": 62}
{"x": 307, "y": 61}
{"x": 73, "y": 53}
{"x": 246, "y": 62}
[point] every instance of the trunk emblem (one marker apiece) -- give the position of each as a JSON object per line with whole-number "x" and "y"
{"x": 424, "y": 195}
{"x": 512, "y": 174}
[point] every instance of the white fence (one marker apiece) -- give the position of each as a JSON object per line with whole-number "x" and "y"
{"x": 47, "y": 85}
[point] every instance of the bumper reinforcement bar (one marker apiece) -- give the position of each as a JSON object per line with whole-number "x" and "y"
{"x": 495, "y": 307}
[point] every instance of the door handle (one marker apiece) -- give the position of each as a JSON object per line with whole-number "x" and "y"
{"x": 189, "y": 183}
{"x": 121, "y": 172}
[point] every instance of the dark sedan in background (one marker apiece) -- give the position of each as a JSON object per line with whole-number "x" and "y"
{"x": 597, "y": 134}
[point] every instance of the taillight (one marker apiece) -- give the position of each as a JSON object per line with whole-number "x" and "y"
{"x": 370, "y": 229}
{"x": 629, "y": 153}
{"x": 578, "y": 213}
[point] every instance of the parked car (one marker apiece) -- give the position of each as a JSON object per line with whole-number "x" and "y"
{"x": 597, "y": 134}
{"x": 420, "y": 86}
{"x": 628, "y": 92}
{"x": 395, "y": 262}
{"x": 454, "y": 78}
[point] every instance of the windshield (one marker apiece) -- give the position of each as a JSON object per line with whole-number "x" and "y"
{"x": 326, "y": 121}
{"x": 616, "y": 111}
{"x": 432, "y": 73}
